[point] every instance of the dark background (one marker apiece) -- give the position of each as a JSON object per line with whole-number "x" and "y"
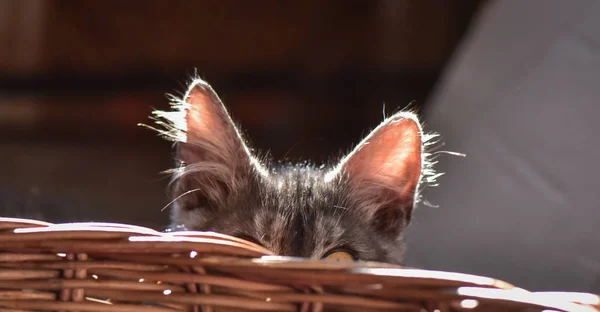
{"x": 513, "y": 84}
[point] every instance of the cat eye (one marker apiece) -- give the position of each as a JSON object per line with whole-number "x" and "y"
{"x": 339, "y": 255}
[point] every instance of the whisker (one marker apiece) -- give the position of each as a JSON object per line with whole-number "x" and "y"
{"x": 429, "y": 204}
{"x": 450, "y": 153}
{"x": 178, "y": 197}
{"x": 291, "y": 148}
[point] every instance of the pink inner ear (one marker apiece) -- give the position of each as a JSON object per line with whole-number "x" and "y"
{"x": 390, "y": 155}
{"x": 202, "y": 117}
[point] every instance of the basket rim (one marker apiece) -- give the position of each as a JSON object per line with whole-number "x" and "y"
{"x": 44, "y": 245}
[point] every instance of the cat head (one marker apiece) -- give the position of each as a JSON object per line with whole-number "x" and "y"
{"x": 360, "y": 205}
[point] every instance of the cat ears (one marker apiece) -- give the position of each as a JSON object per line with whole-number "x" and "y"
{"x": 391, "y": 154}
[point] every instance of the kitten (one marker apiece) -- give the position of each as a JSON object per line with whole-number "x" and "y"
{"x": 359, "y": 207}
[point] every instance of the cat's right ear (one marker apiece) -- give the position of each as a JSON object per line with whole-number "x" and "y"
{"x": 214, "y": 160}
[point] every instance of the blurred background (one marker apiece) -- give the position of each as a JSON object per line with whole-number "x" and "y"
{"x": 306, "y": 79}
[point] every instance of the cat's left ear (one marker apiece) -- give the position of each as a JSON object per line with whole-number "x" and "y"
{"x": 384, "y": 172}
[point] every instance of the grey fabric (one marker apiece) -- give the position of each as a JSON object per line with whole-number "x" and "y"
{"x": 521, "y": 99}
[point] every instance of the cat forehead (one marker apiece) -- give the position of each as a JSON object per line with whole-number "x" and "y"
{"x": 301, "y": 167}
{"x": 300, "y": 183}
{"x": 292, "y": 174}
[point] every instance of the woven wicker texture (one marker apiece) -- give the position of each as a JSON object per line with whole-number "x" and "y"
{"x": 115, "y": 267}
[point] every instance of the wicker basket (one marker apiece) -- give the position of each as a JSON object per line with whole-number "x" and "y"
{"x": 115, "y": 267}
